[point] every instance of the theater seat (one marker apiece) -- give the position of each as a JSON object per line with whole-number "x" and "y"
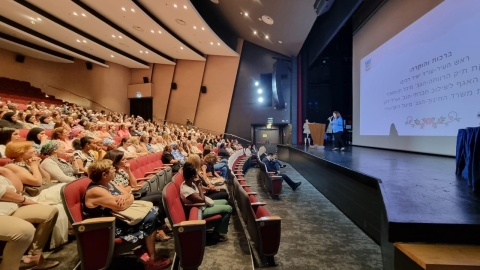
{"x": 4, "y": 161}
{"x": 189, "y": 235}
{"x": 96, "y": 242}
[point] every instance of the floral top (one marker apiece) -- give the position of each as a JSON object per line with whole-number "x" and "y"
{"x": 121, "y": 178}
{"x": 86, "y": 159}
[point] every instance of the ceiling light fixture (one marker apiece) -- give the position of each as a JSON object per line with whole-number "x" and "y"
{"x": 203, "y": 28}
{"x": 266, "y": 36}
{"x": 218, "y": 44}
{"x": 133, "y": 10}
{"x": 159, "y": 31}
{"x": 123, "y": 8}
{"x": 113, "y": 36}
{"x": 260, "y": 91}
{"x": 146, "y": 52}
{"x": 33, "y": 22}
{"x": 152, "y": 31}
{"x": 260, "y": 99}
{"x": 112, "y": 56}
{"x": 141, "y": 51}
{"x": 175, "y": 5}
{"x": 185, "y": 7}
{"x": 181, "y": 48}
{"x": 119, "y": 36}
{"x": 194, "y": 27}
{"x": 74, "y": 13}
{"x": 256, "y": 83}
{"x": 83, "y": 14}
{"x": 246, "y": 14}
{"x": 254, "y": 32}
{"x": 84, "y": 41}
{"x": 280, "y": 42}
{"x": 78, "y": 40}
{"x": 39, "y": 19}
{"x": 211, "y": 43}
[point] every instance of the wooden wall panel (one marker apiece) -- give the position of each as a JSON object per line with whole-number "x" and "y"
{"x": 137, "y": 74}
{"x": 183, "y": 100}
{"x": 162, "y": 80}
{"x": 219, "y": 78}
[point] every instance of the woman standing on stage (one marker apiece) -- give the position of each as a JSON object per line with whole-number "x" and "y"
{"x": 306, "y": 131}
{"x": 337, "y": 124}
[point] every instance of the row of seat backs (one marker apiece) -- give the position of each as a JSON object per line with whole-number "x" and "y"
{"x": 26, "y": 98}
{"x": 265, "y": 233}
{"x": 272, "y": 182}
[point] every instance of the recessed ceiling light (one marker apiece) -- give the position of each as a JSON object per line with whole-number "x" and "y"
{"x": 211, "y": 43}
{"x": 185, "y": 7}
{"x": 146, "y": 52}
{"x": 259, "y": 19}
{"x": 78, "y": 40}
{"x": 159, "y": 31}
{"x": 39, "y": 19}
{"x": 246, "y": 13}
{"x": 260, "y": 91}
{"x": 241, "y": 13}
{"x": 175, "y": 5}
{"x": 119, "y": 36}
{"x": 113, "y": 36}
{"x": 266, "y": 36}
{"x": 152, "y": 31}
{"x": 260, "y": 99}
{"x": 218, "y": 44}
{"x": 254, "y": 32}
{"x": 203, "y": 28}
{"x": 123, "y": 8}
{"x": 33, "y": 22}
{"x": 280, "y": 42}
{"x": 194, "y": 27}
{"x": 256, "y": 83}
{"x": 83, "y": 14}
{"x": 181, "y": 48}
{"x": 141, "y": 51}
{"x": 133, "y": 10}
{"x": 112, "y": 55}
{"x": 74, "y": 13}
{"x": 84, "y": 41}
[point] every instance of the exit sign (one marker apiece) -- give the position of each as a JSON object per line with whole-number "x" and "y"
{"x": 270, "y": 120}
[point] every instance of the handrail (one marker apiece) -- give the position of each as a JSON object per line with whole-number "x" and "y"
{"x": 64, "y": 90}
{"x": 238, "y": 137}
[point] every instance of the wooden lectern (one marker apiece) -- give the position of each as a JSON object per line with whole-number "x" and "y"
{"x": 318, "y": 132}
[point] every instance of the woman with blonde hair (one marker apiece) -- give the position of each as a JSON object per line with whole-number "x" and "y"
{"x": 209, "y": 189}
{"x": 209, "y": 170}
{"x": 140, "y": 150}
{"x": 102, "y": 132}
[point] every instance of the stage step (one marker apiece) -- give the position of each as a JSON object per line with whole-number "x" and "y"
{"x": 436, "y": 257}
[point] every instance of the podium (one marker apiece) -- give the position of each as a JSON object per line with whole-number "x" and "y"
{"x": 318, "y": 132}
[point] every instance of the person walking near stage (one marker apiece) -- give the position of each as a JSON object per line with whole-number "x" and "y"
{"x": 306, "y": 131}
{"x": 337, "y": 125}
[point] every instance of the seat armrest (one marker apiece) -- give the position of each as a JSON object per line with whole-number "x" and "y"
{"x": 245, "y": 185}
{"x": 143, "y": 179}
{"x": 96, "y": 220}
{"x": 251, "y": 193}
{"x": 270, "y": 218}
{"x": 194, "y": 204}
{"x": 190, "y": 223}
{"x": 93, "y": 224}
{"x": 149, "y": 173}
{"x": 276, "y": 177}
{"x": 258, "y": 204}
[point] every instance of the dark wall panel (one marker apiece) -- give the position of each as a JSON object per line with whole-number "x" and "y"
{"x": 245, "y": 109}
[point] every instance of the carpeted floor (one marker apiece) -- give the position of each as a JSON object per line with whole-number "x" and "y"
{"x": 315, "y": 234}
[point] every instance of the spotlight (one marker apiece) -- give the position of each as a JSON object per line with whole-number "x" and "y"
{"x": 260, "y": 99}
{"x": 260, "y": 91}
{"x": 256, "y": 83}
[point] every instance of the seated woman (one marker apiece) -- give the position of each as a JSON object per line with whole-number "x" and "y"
{"x": 190, "y": 190}
{"x": 167, "y": 158}
{"x": 125, "y": 147}
{"x": 16, "y": 213}
{"x": 109, "y": 143}
{"x": 76, "y": 133}
{"x": 211, "y": 166}
{"x": 9, "y": 119}
{"x": 46, "y": 122}
{"x": 123, "y": 131}
{"x": 8, "y": 135}
{"x": 103, "y": 196}
{"x": 140, "y": 150}
{"x": 82, "y": 154}
{"x": 112, "y": 132}
{"x": 97, "y": 151}
{"x": 125, "y": 178}
{"x": 209, "y": 189}
{"x": 30, "y": 121}
{"x": 58, "y": 168}
{"x": 102, "y": 131}
{"x": 38, "y": 137}
{"x": 152, "y": 141}
{"x": 61, "y": 135}
{"x": 144, "y": 143}
{"x": 192, "y": 144}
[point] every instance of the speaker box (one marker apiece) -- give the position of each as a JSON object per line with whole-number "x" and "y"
{"x": 20, "y": 58}
{"x": 89, "y": 65}
{"x": 203, "y": 89}
{"x": 174, "y": 86}
{"x": 145, "y": 79}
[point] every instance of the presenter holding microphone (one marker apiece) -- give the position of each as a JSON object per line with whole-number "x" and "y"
{"x": 337, "y": 126}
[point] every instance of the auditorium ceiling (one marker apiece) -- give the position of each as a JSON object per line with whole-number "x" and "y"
{"x": 132, "y": 33}
{"x": 279, "y": 25}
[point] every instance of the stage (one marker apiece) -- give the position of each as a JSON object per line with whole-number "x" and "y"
{"x": 393, "y": 196}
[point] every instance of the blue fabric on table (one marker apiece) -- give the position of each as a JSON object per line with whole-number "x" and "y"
{"x": 460, "y": 156}
{"x": 468, "y": 156}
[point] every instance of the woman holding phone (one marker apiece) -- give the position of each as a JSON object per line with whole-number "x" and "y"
{"x": 337, "y": 126}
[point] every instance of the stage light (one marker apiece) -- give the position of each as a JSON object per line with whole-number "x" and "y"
{"x": 256, "y": 83}
{"x": 260, "y": 99}
{"x": 259, "y": 91}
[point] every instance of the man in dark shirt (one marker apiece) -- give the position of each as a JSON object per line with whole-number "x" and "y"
{"x": 167, "y": 158}
{"x": 272, "y": 166}
{"x": 222, "y": 152}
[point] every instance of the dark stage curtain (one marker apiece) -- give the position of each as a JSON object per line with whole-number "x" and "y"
{"x": 468, "y": 156}
{"x": 142, "y": 107}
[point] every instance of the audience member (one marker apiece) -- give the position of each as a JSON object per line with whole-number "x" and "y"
{"x": 82, "y": 154}
{"x": 7, "y": 135}
{"x": 55, "y": 165}
{"x": 9, "y": 119}
{"x": 273, "y": 166}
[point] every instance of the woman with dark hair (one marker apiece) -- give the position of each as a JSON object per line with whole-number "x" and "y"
{"x": 38, "y": 137}
{"x": 124, "y": 147}
{"x": 8, "y": 135}
{"x": 167, "y": 158}
{"x": 337, "y": 125}
{"x": 46, "y": 122}
{"x": 30, "y": 121}
{"x": 9, "y": 119}
{"x": 103, "y": 196}
{"x": 82, "y": 154}
{"x": 123, "y": 131}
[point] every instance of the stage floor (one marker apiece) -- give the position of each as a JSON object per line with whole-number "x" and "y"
{"x": 415, "y": 188}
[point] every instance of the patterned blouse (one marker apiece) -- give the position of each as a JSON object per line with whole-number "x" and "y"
{"x": 86, "y": 159}
{"x": 66, "y": 167}
{"x": 24, "y": 165}
{"x": 121, "y": 178}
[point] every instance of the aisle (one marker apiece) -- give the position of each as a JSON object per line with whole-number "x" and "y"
{"x": 315, "y": 234}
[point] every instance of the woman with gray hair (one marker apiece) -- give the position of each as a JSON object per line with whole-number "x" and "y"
{"x": 58, "y": 168}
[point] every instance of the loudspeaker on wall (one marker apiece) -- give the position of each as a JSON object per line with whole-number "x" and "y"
{"x": 174, "y": 86}
{"x": 145, "y": 79}
{"x": 20, "y": 58}
{"x": 89, "y": 65}
{"x": 203, "y": 89}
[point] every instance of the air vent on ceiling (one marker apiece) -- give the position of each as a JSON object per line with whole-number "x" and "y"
{"x": 138, "y": 28}
{"x": 181, "y": 22}
{"x": 267, "y": 19}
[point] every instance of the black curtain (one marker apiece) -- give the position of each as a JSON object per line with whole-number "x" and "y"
{"x": 142, "y": 107}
